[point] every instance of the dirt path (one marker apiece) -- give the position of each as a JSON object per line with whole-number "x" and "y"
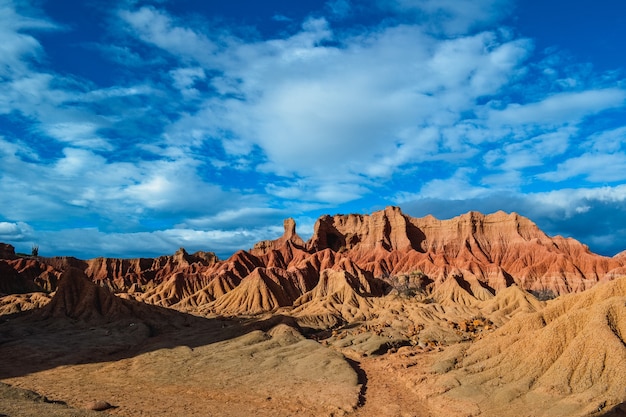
{"x": 385, "y": 393}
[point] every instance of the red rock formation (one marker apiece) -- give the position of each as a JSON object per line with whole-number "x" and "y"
{"x": 470, "y": 258}
{"x": 22, "y": 275}
{"x": 495, "y": 250}
{"x": 388, "y": 230}
{"x": 290, "y": 235}
{"x": 120, "y": 274}
{"x": 7, "y": 251}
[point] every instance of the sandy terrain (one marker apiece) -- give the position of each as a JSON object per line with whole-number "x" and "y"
{"x": 211, "y": 368}
{"x": 268, "y": 373}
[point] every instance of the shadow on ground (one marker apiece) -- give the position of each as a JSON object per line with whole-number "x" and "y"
{"x": 84, "y": 324}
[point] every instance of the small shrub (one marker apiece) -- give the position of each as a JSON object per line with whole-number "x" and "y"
{"x": 544, "y": 295}
{"x": 408, "y": 285}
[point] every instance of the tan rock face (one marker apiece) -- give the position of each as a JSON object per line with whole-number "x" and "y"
{"x": 573, "y": 351}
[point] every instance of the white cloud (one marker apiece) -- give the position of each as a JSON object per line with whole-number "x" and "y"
{"x": 452, "y": 17}
{"x": 530, "y": 152}
{"x": 185, "y": 78}
{"x": 78, "y": 162}
{"x": 457, "y": 187}
{"x": 26, "y": 94}
{"x": 558, "y": 109}
{"x": 601, "y": 159}
{"x": 337, "y": 192}
{"x": 507, "y": 179}
{"x": 11, "y": 154}
{"x": 84, "y": 184}
{"x": 16, "y": 46}
{"x": 91, "y": 242}
{"x": 339, "y": 8}
{"x": 78, "y": 134}
{"x": 598, "y": 168}
{"x": 158, "y": 28}
{"x": 480, "y": 64}
{"x": 18, "y": 231}
{"x": 608, "y": 141}
{"x": 175, "y": 187}
{"x": 114, "y": 92}
{"x": 331, "y": 120}
{"x": 79, "y": 174}
{"x": 249, "y": 216}
{"x": 573, "y": 201}
{"x": 361, "y": 110}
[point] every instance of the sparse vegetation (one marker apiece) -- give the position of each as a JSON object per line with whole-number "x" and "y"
{"x": 544, "y": 294}
{"x": 409, "y": 285}
{"x": 35, "y": 250}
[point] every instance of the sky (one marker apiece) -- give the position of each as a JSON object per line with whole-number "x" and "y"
{"x": 131, "y": 128}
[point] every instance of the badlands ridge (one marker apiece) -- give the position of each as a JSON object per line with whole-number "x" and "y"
{"x": 375, "y": 315}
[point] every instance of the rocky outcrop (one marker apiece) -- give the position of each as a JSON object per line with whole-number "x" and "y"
{"x": 386, "y": 230}
{"x": 341, "y": 295}
{"x": 22, "y": 275}
{"x": 265, "y": 246}
{"x": 493, "y": 251}
{"x": 120, "y": 274}
{"x": 7, "y": 251}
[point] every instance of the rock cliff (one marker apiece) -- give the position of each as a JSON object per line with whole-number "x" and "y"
{"x": 495, "y": 250}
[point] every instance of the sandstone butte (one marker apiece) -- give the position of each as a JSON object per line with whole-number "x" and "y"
{"x": 473, "y": 254}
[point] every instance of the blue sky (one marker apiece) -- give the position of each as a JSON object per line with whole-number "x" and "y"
{"x": 132, "y": 128}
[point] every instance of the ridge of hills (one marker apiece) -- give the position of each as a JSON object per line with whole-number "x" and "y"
{"x": 483, "y": 254}
{"x": 567, "y": 358}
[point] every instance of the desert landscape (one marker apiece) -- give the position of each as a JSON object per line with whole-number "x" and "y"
{"x": 374, "y": 315}
{"x": 386, "y": 208}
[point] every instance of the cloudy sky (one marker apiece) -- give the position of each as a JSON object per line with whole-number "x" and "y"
{"x": 132, "y": 128}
